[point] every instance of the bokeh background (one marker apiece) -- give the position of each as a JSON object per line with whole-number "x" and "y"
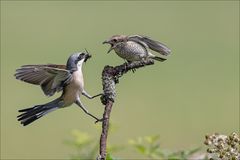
{"x": 194, "y": 92}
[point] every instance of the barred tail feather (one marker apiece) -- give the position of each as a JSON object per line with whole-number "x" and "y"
{"x": 30, "y": 115}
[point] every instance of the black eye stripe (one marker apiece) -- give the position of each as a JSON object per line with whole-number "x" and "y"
{"x": 81, "y": 56}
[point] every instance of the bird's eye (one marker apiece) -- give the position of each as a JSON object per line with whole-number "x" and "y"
{"x": 80, "y": 56}
{"x": 114, "y": 40}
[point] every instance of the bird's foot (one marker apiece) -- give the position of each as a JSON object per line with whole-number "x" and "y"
{"x": 128, "y": 63}
{"x": 100, "y": 120}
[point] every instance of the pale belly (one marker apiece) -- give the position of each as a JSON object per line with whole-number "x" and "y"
{"x": 128, "y": 57}
{"x": 73, "y": 91}
{"x": 131, "y": 51}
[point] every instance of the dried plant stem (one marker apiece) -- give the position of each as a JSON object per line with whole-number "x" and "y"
{"x": 110, "y": 76}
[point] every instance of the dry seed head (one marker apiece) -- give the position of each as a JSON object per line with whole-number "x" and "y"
{"x": 222, "y": 146}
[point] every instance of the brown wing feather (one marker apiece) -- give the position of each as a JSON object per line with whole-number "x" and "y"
{"x": 60, "y": 66}
{"x": 50, "y": 77}
{"x": 152, "y": 44}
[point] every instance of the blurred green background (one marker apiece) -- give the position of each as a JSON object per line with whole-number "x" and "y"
{"x": 194, "y": 92}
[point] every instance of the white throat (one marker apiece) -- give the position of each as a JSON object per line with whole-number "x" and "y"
{"x": 79, "y": 64}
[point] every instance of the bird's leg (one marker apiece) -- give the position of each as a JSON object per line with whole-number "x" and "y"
{"x": 133, "y": 70}
{"x": 79, "y": 103}
{"x": 89, "y": 96}
{"x": 126, "y": 63}
{"x": 144, "y": 60}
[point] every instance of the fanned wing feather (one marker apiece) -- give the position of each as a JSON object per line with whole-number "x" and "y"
{"x": 152, "y": 44}
{"x": 50, "y": 77}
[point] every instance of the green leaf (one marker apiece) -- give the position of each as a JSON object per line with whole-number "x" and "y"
{"x": 191, "y": 152}
{"x": 151, "y": 139}
{"x": 81, "y": 137}
{"x": 131, "y": 142}
{"x": 110, "y": 157}
{"x": 141, "y": 148}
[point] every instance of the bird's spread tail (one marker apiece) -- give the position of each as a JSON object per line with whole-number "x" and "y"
{"x": 29, "y": 115}
{"x": 159, "y": 58}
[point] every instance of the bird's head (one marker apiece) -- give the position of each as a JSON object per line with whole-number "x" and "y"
{"x": 76, "y": 60}
{"x": 115, "y": 40}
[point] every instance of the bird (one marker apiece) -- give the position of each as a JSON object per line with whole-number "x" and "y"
{"x": 54, "y": 78}
{"x": 135, "y": 47}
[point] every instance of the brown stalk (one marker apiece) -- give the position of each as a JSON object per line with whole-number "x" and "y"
{"x": 110, "y": 76}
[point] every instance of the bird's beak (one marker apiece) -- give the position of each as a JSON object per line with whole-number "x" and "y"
{"x": 110, "y": 49}
{"x": 108, "y": 42}
{"x": 87, "y": 56}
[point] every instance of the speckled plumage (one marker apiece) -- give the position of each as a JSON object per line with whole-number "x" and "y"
{"x": 131, "y": 51}
{"x": 135, "y": 48}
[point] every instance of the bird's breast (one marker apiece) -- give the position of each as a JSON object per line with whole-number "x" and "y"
{"x": 131, "y": 51}
{"x": 77, "y": 80}
{"x": 74, "y": 89}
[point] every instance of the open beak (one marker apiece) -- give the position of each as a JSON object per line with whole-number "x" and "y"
{"x": 108, "y": 42}
{"x": 87, "y": 56}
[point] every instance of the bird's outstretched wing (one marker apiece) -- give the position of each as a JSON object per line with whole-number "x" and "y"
{"x": 50, "y": 77}
{"x": 152, "y": 44}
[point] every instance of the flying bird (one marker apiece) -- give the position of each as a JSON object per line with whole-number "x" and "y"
{"x": 54, "y": 78}
{"x": 136, "y": 47}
